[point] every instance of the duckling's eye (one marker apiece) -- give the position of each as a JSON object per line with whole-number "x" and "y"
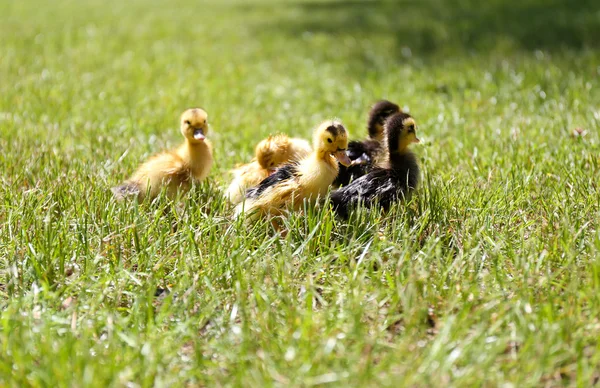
{"x": 411, "y": 128}
{"x": 329, "y": 140}
{"x": 187, "y": 122}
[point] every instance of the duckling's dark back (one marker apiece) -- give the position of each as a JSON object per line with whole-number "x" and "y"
{"x": 381, "y": 186}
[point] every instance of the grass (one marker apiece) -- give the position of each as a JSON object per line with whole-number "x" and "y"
{"x": 489, "y": 276}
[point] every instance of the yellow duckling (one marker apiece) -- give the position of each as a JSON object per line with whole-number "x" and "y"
{"x": 174, "y": 169}
{"x": 308, "y": 179}
{"x": 270, "y": 153}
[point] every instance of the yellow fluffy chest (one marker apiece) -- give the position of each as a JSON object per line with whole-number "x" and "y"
{"x": 198, "y": 158}
{"x": 315, "y": 176}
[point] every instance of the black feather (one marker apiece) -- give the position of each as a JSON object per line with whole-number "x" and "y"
{"x": 363, "y": 152}
{"x": 381, "y": 186}
{"x": 378, "y": 114}
{"x": 283, "y": 173}
{"x": 367, "y": 150}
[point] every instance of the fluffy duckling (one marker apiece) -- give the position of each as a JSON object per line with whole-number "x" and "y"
{"x": 175, "y": 169}
{"x": 278, "y": 149}
{"x": 364, "y": 154}
{"x": 270, "y": 153}
{"x": 384, "y": 185}
{"x": 307, "y": 179}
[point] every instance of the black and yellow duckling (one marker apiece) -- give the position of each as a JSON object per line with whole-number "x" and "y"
{"x": 383, "y": 186}
{"x": 307, "y": 179}
{"x": 364, "y": 154}
{"x": 174, "y": 169}
{"x": 270, "y": 153}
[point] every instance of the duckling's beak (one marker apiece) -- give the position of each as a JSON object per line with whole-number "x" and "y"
{"x": 343, "y": 158}
{"x": 416, "y": 140}
{"x": 199, "y": 134}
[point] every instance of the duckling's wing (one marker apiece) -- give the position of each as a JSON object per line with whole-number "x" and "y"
{"x": 366, "y": 187}
{"x": 283, "y": 173}
{"x": 378, "y": 186}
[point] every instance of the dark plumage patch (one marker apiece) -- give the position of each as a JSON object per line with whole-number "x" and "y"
{"x": 362, "y": 151}
{"x": 378, "y": 114}
{"x": 333, "y": 129}
{"x": 365, "y": 152}
{"x": 283, "y": 173}
{"x": 396, "y": 123}
{"x": 381, "y": 186}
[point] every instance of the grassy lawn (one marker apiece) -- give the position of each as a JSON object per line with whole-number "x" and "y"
{"x": 489, "y": 276}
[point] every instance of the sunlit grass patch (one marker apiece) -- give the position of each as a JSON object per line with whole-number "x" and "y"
{"x": 488, "y": 275}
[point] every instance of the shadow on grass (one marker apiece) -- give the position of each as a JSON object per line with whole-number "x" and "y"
{"x": 431, "y": 26}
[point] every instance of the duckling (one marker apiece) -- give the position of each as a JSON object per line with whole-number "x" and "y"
{"x": 384, "y": 185}
{"x": 307, "y": 179}
{"x": 364, "y": 154}
{"x": 176, "y": 168}
{"x": 278, "y": 149}
{"x": 270, "y": 153}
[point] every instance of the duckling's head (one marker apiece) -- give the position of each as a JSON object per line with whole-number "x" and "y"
{"x": 401, "y": 131}
{"x": 194, "y": 125}
{"x": 273, "y": 151}
{"x": 377, "y": 116}
{"x": 331, "y": 138}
